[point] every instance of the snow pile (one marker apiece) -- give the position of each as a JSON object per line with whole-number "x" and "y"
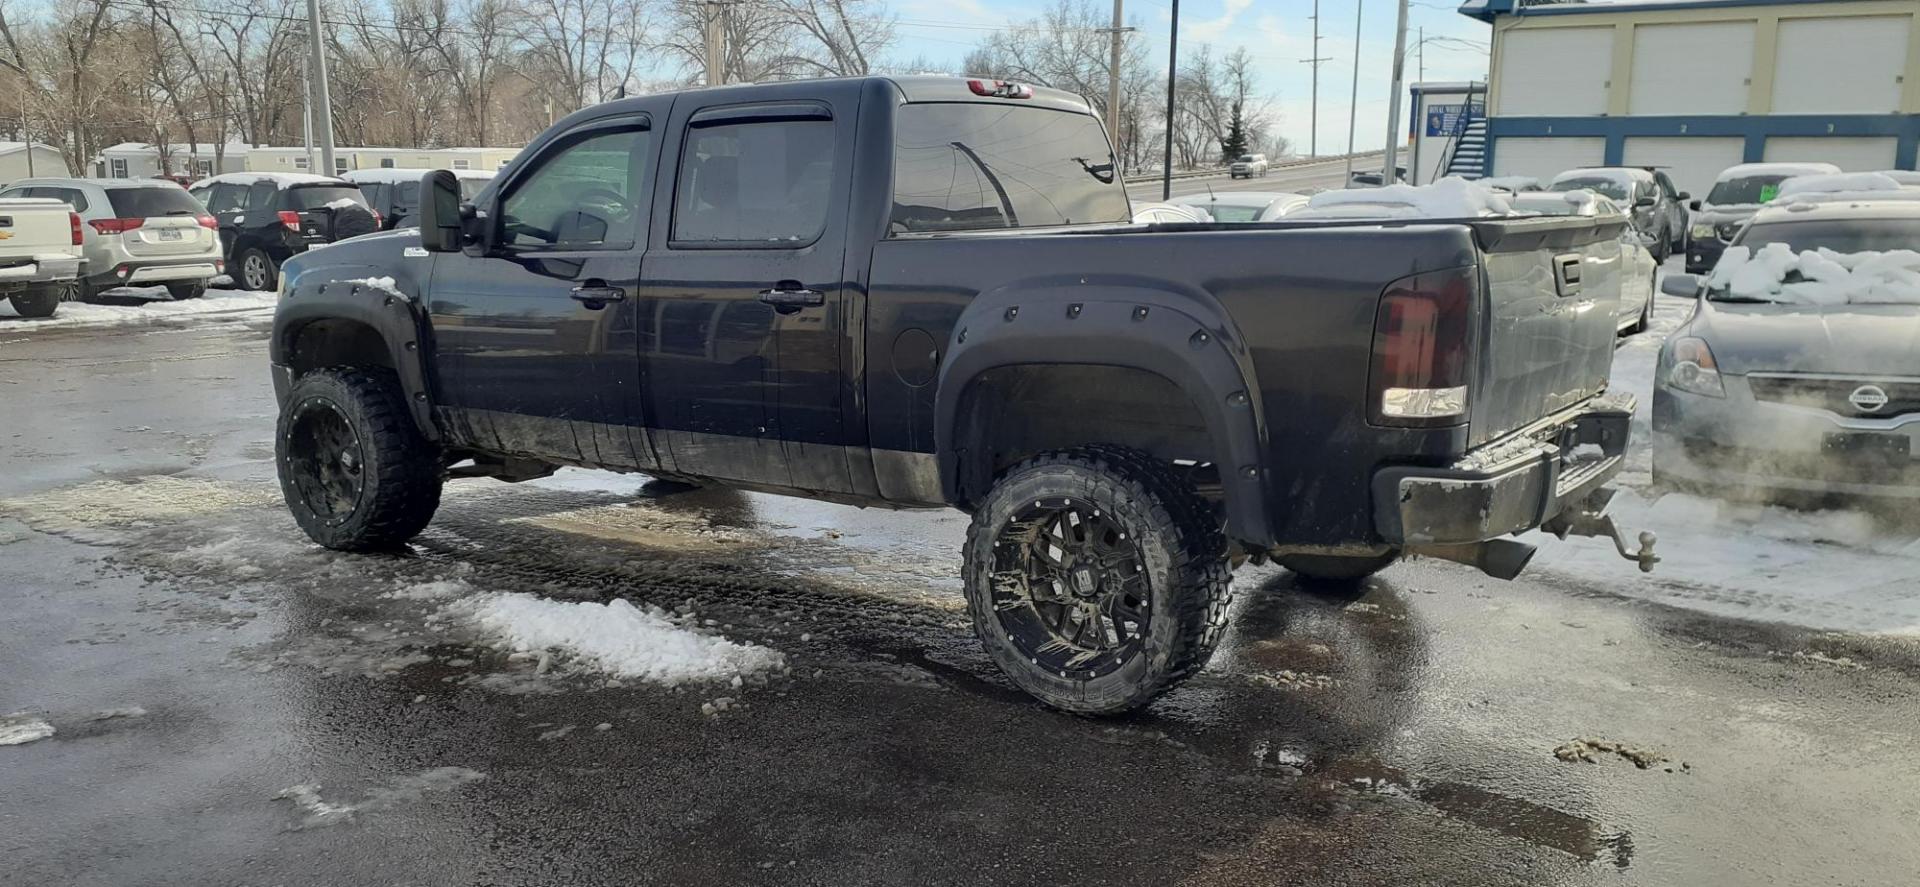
{"x": 617, "y": 637}
{"x": 1836, "y": 183}
{"x": 1818, "y": 277}
{"x": 80, "y": 314}
{"x": 1449, "y": 198}
{"x": 21, "y": 728}
{"x": 437, "y": 590}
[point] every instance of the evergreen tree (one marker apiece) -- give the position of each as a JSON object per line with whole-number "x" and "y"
{"x": 1234, "y": 143}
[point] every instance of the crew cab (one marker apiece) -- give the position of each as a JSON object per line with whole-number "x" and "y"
{"x": 924, "y": 292}
{"x": 39, "y": 253}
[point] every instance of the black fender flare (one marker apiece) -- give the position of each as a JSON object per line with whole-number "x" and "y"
{"x": 1182, "y": 335}
{"x": 390, "y": 313}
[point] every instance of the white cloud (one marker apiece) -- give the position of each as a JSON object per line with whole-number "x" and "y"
{"x": 1210, "y": 30}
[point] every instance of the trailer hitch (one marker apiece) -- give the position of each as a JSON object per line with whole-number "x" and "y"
{"x": 1588, "y": 518}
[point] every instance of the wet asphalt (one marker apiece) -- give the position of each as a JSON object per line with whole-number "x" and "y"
{"x": 233, "y": 705}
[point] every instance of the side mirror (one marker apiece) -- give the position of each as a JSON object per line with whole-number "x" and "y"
{"x": 440, "y": 225}
{"x": 1684, "y": 285}
{"x": 1643, "y": 203}
{"x": 1694, "y": 205}
{"x": 1682, "y": 196}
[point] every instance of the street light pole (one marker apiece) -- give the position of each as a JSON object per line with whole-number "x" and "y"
{"x": 1389, "y": 174}
{"x": 1113, "y": 75}
{"x": 322, "y": 102}
{"x": 1173, "y": 59}
{"x": 1313, "y": 126}
{"x": 1353, "y": 103}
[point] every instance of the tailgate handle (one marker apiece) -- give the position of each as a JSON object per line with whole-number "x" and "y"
{"x": 1566, "y": 275}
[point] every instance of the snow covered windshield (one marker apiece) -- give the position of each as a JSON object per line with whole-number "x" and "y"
{"x": 1613, "y": 188}
{"x": 1822, "y": 276}
{"x": 1745, "y": 189}
{"x": 1839, "y": 235}
{"x": 968, "y": 166}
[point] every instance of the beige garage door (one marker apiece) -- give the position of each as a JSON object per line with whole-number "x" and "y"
{"x": 1544, "y": 158}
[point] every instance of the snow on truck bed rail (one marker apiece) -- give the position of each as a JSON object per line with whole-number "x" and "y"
{"x": 1818, "y": 277}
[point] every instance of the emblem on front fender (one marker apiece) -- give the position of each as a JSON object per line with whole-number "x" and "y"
{"x": 1868, "y": 398}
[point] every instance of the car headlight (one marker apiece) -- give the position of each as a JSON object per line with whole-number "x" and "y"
{"x": 1694, "y": 370}
{"x": 1703, "y": 231}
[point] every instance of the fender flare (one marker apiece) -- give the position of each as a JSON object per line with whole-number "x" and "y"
{"x": 391, "y": 315}
{"x": 1184, "y": 336}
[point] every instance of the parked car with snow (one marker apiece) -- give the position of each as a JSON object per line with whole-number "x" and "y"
{"x": 136, "y": 232}
{"x": 1634, "y": 267}
{"x": 1149, "y": 213}
{"x": 39, "y": 253}
{"x": 1658, "y": 214}
{"x": 1247, "y": 166}
{"x": 1736, "y": 195}
{"x": 1799, "y": 371}
{"x": 968, "y": 320}
{"x": 1242, "y": 206}
{"x": 394, "y": 194}
{"x": 1371, "y": 178}
{"x": 264, "y": 219}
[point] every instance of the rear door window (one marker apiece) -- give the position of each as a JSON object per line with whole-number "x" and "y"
{"x": 763, "y": 183}
{"x": 967, "y": 166}
{"x": 147, "y": 203}
{"x": 227, "y": 197}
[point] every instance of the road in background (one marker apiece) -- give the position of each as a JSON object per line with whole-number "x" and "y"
{"x": 1318, "y": 175}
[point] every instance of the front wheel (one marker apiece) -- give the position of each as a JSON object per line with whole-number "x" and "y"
{"x": 39, "y": 301}
{"x": 258, "y": 271}
{"x": 1337, "y": 568}
{"x": 1096, "y": 578}
{"x": 356, "y": 473}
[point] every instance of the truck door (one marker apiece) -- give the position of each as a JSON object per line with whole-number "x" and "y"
{"x": 534, "y": 327}
{"x": 742, "y": 326}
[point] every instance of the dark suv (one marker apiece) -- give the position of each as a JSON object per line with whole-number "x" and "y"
{"x": 268, "y": 218}
{"x": 394, "y": 194}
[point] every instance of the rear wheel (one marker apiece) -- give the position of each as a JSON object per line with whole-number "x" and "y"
{"x": 1096, "y": 578}
{"x": 39, "y": 301}
{"x": 1336, "y": 568}
{"x": 187, "y": 290}
{"x": 258, "y": 271}
{"x": 356, "y": 473}
{"x": 79, "y": 291}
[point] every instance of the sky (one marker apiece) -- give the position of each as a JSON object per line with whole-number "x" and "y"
{"x": 1277, "y": 33}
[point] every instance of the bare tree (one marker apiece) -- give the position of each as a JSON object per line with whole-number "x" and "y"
{"x": 1066, "y": 48}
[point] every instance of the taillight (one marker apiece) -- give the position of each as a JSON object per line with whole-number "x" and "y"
{"x": 1000, "y": 89}
{"x": 207, "y": 221}
{"x": 1423, "y": 349}
{"x": 290, "y": 219}
{"x": 73, "y": 229}
{"x": 115, "y": 226}
{"x": 379, "y": 221}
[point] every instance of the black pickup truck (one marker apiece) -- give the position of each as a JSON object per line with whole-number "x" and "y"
{"x": 925, "y": 292}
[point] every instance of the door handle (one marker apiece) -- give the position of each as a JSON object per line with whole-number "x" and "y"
{"x": 596, "y": 296}
{"x": 793, "y": 295}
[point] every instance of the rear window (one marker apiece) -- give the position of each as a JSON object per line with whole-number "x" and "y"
{"x": 146, "y": 203}
{"x": 968, "y": 166}
{"x": 1613, "y": 188}
{"x": 303, "y": 197}
{"x": 1746, "y": 189}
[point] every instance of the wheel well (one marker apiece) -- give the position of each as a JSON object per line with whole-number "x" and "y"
{"x": 1012, "y": 413}
{"x": 337, "y": 342}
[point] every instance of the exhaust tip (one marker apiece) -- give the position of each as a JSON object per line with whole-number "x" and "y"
{"x": 1503, "y": 558}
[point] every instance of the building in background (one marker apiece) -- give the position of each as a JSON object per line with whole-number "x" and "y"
{"x": 1449, "y": 129}
{"x": 18, "y": 162}
{"x": 345, "y": 159}
{"x": 1700, "y": 85}
{"x": 141, "y": 160}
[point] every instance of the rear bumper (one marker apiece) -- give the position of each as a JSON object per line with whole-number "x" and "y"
{"x": 1509, "y": 486}
{"x": 132, "y": 272}
{"x": 49, "y": 268}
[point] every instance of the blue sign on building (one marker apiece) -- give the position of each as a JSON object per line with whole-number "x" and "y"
{"x": 1446, "y": 120}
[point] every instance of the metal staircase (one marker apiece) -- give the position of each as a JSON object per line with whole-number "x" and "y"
{"x": 1468, "y": 157}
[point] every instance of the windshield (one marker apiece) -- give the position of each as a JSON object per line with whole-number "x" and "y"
{"x": 1613, "y": 188}
{"x": 304, "y": 197}
{"x": 1839, "y": 235}
{"x": 967, "y": 166}
{"x": 146, "y": 203}
{"x": 1745, "y": 189}
{"x": 1246, "y": 158}
{"x": 1227, "y": 212}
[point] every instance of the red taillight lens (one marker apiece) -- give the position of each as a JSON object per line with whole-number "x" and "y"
{"x": 1000, "y": 89}
{"x": 379, "y": 221}
{"x": 115, "y": 226}
{"x": 290, "y": 219}
{"x": 73, "y": 229}
{"x": 1423, "y": 349}
{"x": 207, "y": 221}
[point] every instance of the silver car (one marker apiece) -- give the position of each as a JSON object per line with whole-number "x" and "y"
{"x": 135, "y": 232}
{"x": 1755, "y": 395}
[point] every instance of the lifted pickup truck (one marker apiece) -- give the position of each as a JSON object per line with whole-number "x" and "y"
{"x": 925, "y": 292}
{"x": 39, "y": 253}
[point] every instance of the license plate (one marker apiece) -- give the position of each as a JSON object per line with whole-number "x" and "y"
{"x": 171, "y": 234}
{"x": 1868, "y": 445}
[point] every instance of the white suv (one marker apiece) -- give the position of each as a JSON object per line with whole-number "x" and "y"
{"x": 136, "y": 232}
{"x": 1248, "y": 165}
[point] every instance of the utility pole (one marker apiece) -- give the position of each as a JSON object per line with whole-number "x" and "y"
{"x": 1388, "y": 169}
{"x": 1173, "y": 65}
{"x": 1313, "y": 128}
{"x": 1421, "y": 47}
{"x": 306, "y": 119}
{"x": 322, "y": 102}
{"x": 1117, "y": 32}
{"x": 1353, "y": 103}
{"x": 714, "y": 18}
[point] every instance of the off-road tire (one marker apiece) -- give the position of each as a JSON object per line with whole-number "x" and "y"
{"x": 1181, "y": 549}
{"x": 1337, "y": 568}
{"x": 271, "y": 270}
{"x": 184, "y": 291}
{"x": 399, "y": 470}
{"x": 79, "y": 291}
{"x": 39, "y": 301}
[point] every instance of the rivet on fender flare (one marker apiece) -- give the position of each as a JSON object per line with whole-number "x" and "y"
{"x": 1250, "y": 472}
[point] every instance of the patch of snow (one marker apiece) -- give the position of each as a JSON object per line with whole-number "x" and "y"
{"x": 1449, "y": 198}
{"x": 239, "y": 303}
{"x": 438, "y": 590}
{"x": 402, "y": 789}
{"x": 21, "y": 728}
{"x": 108, "y": 714}
{"x": 617, "y": 638}
{"x": 382, "y": 284}
{"x": 1818, "y": 277}
{"x": 342, "y": 203}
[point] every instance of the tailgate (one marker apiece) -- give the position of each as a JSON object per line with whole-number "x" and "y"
{"x": 31, "y": 225}
{"x": 1553, "y": 289}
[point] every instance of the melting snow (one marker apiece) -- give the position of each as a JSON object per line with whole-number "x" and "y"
{"x": 402, "y": 789}
{"x": 617, "y": 638}
{"x": 21, "y": 728}
{"x": 77, "y": 314}
{"x": 1818, "y": 277}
